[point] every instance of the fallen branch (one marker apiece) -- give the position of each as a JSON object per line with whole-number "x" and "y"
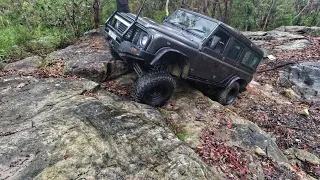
{"x": 9, "y": 133}
{"x": 2, "y": 134}
{"x": 277, "y": 66}
{"x": 287, "y": 127}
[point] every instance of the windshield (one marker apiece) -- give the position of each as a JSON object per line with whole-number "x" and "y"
{"x": 192, "y": 23}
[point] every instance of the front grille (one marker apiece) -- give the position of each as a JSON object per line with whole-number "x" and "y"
{"x": 129, "y": 34}
{"x": 122, "y": 27}
{"x": 119, "y": 24}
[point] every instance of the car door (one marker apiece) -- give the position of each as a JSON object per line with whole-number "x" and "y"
{"x": 231, "y": 58}
{"x": 210, "y": 66}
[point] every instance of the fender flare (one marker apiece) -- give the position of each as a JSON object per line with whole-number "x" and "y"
{"x": 234, "y": 79}
{"x": 164, "y": 51}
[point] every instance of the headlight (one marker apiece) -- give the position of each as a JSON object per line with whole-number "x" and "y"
{"x": 140, "y": 38}
{"x": 144, "y": 39}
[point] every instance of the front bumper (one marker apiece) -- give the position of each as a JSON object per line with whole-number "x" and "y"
{"x": 128, "y": 50}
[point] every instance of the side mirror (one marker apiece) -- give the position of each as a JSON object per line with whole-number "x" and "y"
{"x": 214, "y": 42}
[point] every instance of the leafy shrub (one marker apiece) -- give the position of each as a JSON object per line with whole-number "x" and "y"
{"x": 46, "y": 40}
{"x": 13, "y": 35}
{"x": 181, "y": 136}
{"x": 41, "y": 26}
{"x": 9, "y": 38}
{"x": 15, "y": 53}
{"x": 159, "y": 15}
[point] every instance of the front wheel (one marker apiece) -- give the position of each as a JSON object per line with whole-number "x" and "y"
{"x": 154, "y": 89}
{"x": 229, "y": 95}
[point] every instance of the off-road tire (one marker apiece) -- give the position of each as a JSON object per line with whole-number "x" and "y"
{"x": 154, "y": 89}
{"x": 229, "y": 95}
{"x": 114, "y": 54}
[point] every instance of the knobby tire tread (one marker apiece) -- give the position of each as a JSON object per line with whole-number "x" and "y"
{"x": 149, "y": 80}
{"x": 222, "y": 94}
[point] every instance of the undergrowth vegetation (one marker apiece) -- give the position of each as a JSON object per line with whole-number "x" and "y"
{"x": 40, "y": 26}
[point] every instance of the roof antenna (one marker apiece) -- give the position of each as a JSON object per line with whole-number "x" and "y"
{"x": 136, "y": 19}
{"x": 140, "y": 10}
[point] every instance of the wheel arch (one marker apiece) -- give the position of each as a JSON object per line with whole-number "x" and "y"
{"x": 178, "y": 63}
{"x": 242, "y": 82}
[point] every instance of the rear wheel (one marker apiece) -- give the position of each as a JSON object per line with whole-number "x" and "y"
{"x": 154, "y": 89}
{"x": 229, "y": 95}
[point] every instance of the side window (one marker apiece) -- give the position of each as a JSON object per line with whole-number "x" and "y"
{"x": 250, "y": 60}
{"x": 218, "y": 42}
{"x": 235, "y": 50}
{"x": 255, "y": 62}
{"x": 248, "y": 56}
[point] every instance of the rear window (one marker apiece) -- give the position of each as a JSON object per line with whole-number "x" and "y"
{"x": 250, "y": 60}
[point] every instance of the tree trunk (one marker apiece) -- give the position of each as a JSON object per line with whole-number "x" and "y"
{"x": 96, "y": 13}
{"x": 205, "y": 7}
{"x": 298, "y": 15}
{"x": 227, "y": 10}
{"x": 220, "y": 13}
{"x": 167, "y": 7}
{"x": 183, "y": 4}
{"x": 230, "y": 9}
{"x": 267, "y": 18}
{"x": 214, "y": 8}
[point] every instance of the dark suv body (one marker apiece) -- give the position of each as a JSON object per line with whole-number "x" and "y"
{"x": 187, "y": 45}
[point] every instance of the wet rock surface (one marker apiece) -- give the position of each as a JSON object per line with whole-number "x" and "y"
{"x": 305, "y": 78}
{"x": 95, "y": 67}
{"x": 281, "y": 39}
{"x": 2, "y": 65}
{"x": 192, "y": 113}
{"x": 89, "y": 44}
{"x": 198, "y": 119}
{"x": 295, "y": 45}
{"x": 88, "y": 58}
{"x": 92, "y": 66}
{"x": 50, "y": 129}
{"x": 302, "y": 155}
{"x": 274, "y": 35}
{"x": 27, "y": 65}
{"x": 300, "y": 29}
{"x": 69, "y": 128}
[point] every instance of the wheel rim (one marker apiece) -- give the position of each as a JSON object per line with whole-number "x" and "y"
{"x": 232, "y": 95}
{"x": 156, "y": 94}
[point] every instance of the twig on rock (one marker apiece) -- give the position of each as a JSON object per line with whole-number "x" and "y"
{"x": 277, "y": 66}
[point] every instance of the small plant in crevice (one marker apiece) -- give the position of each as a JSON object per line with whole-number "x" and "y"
{"x": 181, "y": 136}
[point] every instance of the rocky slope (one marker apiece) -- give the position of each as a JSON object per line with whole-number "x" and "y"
{"x": 51, "y": 129}
{"x": 56, "y": 125}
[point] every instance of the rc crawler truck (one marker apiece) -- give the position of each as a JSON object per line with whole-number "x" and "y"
{"x": 217, "y": 58}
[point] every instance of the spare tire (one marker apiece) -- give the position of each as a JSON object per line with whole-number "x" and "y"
{"x": 154, "y": 89}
